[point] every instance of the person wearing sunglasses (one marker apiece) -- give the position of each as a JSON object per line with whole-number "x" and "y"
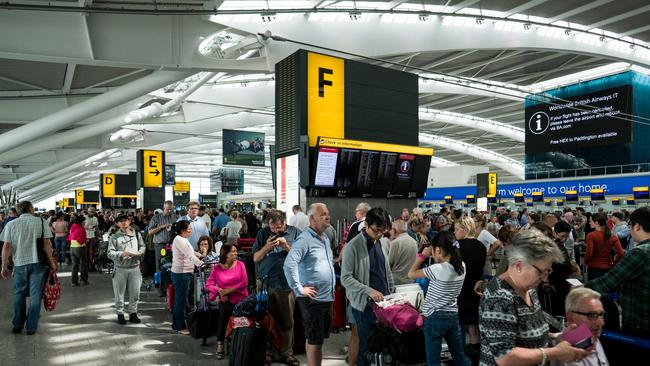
{"x": 511, "y": 320}
{"x": 583, "y": 306}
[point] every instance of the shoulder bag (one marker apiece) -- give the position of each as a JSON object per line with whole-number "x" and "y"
{"x": 40, "y": 247}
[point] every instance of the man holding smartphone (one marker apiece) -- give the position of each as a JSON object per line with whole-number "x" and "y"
{"x": 269, "y": 252}
{"x": 126, "y": 249}
{"x": 584, "y": 309}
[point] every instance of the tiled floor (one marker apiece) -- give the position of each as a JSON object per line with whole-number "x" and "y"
{"x": 82, "y": 331}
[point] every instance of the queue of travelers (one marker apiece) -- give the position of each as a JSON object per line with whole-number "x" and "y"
{"x": 492, "y": 281}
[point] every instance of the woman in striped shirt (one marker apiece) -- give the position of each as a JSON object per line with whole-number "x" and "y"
{"x": 440, "y": 309}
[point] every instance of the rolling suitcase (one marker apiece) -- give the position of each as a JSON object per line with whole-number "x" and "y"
{"x": 247, "y": 347}
{"x": 202, "y": 321}
{"x": 389, "y": 347}
{"x": 339, "y": 311}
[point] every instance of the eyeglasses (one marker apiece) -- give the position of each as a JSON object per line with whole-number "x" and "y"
{"x": 542, "y": 272}
{"x": 377, "y": 230}
{"x": 193, "y": 208}
{"x": 592, "y": 315}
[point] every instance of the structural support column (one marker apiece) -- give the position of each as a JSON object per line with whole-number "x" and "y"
{"x": 51, "y": 170}
{"x": 54, "y": 122}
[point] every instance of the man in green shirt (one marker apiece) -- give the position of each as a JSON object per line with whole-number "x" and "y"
{"x": 632, "y": 274}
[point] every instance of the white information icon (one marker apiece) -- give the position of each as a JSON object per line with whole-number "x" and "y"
{"x": 538, "y": 123}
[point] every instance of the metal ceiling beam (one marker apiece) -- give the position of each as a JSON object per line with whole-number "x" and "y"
{"x": 47, "y": 172}
{"x": 69, "y": 75}
{"x": 617, "y": 18}
{"x": 634, "y": 31}
{"x": 116, "y": 40}
{"x": 51, "y": 123}
{"x": 391, "y": 4}
{"x": 24, "y": 83}
{"x": 462, "y": 5}
{"x": 579, "y": 10}
{"x": 444, "y": 60}
{"x": 119, "y": 77}
{"x": 522, "y": 65}
{"x": 525, "y": 6}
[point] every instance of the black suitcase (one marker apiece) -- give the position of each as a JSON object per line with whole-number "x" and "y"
{"x": 248, "y": 347}
{"x": 389, "y": 347}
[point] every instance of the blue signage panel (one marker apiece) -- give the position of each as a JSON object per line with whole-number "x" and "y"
{"x": 550, "y": 188}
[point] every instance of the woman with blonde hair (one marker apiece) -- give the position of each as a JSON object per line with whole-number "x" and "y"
{"x": 233, "y": 227}
{"x": 474, "y": 255}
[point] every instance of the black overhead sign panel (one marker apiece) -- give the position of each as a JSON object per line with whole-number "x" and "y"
{"x": 588, "y": 120}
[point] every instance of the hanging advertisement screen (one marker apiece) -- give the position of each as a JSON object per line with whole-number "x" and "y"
{"x": 287, "y": 193}
{"x": 243, "y": 148}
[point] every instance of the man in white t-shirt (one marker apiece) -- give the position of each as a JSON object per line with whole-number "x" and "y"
{"x": 299, "y": 219}
{"x": 203, "y": 215}
{"x": 91, "y": 224}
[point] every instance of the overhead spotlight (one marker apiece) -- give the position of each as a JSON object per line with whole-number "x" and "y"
{"x": 267, "y": 17}
{"x": 632, "y": 46}
{"x": 480, "y": 20}
{"x": 355, "y": 15}
{"x": 567, "y": 32}
{"x": 423, "y": 17}
{"x": 527, "y": 26}
{"x": 602, "y": 38}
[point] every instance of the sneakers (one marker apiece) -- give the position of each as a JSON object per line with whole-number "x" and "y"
{"x": 31, "y": 332}
{"x": 120, "y": 319}
{"x": 75, "y": 284}
{"x": 85, "y": 283}
{"x": 17, "y": 330}
{"x": 133, "y": 318}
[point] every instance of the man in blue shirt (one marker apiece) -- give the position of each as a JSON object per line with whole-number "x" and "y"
{"x": 220, "y": 222}
{"x": 309, "y": 271}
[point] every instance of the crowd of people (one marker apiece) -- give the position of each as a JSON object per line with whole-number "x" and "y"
{"x": 495, "y": 284}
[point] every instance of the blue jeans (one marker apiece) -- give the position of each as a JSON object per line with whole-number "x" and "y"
{"x": 181, "y": 282}
{"x": 60, "y": 244}
{"x": 28, "y": 280}
{"x": 443, "y": 324}
{"x": 364, "y": 319}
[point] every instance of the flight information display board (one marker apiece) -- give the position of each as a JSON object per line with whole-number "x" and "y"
{"x": 371, "y": 170}
{"x": 587, "y": 120}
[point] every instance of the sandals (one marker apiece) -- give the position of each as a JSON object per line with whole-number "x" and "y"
{"x": 291, "y": 361}
{"x": 220, "y": 351}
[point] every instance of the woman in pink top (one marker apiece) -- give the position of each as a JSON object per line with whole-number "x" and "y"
{"x": 60, "y": 229}
{"x": 184, "y": 258}
{"x": 228, "y": 281}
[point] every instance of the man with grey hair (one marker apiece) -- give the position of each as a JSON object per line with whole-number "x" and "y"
{"x": 160, "y": 228}
{"x": 360, "y": 216}
{"x": 310, "y": 274}
{"x": 20, "y": 236}
{"x": 583, "y": 306}
{"x": 402, "y": 252}
{"x": 198, "y": 226}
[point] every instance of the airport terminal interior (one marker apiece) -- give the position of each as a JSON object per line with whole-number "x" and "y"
{"x": 206, "y": 174}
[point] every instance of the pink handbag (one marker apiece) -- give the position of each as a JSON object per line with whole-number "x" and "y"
{"x": 403, "y": 318}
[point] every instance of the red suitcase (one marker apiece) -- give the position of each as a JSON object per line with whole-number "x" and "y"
{"x": 170, "y": 297}
{"x": 339, "y": 310}
{"x": 245, "y": 244}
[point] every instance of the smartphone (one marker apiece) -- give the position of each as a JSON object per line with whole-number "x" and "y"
{"x": 579, "y": 337}
{"x": 574, "y": 282}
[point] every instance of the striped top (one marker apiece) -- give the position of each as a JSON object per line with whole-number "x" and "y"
{"x": 444, "y": 287}
{"x": 506, "y": 322}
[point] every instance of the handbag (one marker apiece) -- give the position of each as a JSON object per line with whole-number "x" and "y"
{"x": 402, "y": 317}
{"x": 40, "y": 247}
{"x": 254, "y": 304}
{"x": 51, "y": 291}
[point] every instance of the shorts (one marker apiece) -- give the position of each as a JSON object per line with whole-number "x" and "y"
{"x": 316, "y": 319}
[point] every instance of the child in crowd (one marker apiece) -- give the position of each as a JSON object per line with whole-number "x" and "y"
{"x": 440, "y": 308}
